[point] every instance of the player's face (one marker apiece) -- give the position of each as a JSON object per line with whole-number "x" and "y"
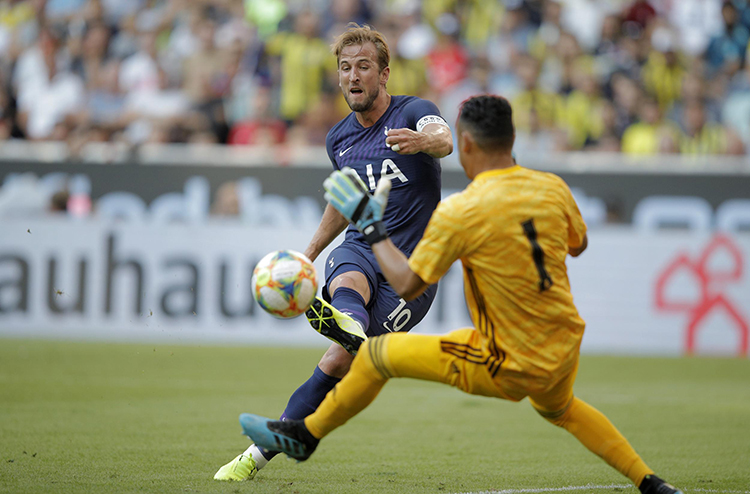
{"x": 360, "y": 77}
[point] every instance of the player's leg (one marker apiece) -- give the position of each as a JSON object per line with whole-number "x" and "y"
{"x": 388, "y": 312}
{"x": 458, "y": 359}
{"x": 345, "y": 319}
{"x": 592, "y": 428}
{"x": 340, "y": 321}
{"x": 345, "y": 289}
{"x": 341, "y": 314}
{"x": 423, "y": 357}
{"x": 356, "y": 390}
{"x": 350, "y": 291}
{"x": 332, "y": 367}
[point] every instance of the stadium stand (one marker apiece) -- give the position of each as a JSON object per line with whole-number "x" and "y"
{"x": 641, "y": 77}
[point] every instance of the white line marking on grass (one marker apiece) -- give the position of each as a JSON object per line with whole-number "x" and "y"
{"x": 591, "y": 486}
{"x": 555, "y": 489}
{"x": 718, "y": 490}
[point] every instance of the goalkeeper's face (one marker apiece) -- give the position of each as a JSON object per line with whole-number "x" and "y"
{"x": 360, "y": 77}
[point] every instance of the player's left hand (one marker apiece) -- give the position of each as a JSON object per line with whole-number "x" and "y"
{"x": 405, "y": 141}
{"x": 346, "y": 192}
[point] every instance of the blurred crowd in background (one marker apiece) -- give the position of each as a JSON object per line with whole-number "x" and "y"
{"x": 641, "y": 77}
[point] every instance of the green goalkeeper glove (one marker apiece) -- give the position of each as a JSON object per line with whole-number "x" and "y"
{"x": 346, "y": 192}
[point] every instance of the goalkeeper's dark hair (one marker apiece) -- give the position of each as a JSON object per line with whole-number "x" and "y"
{"x": 489, "y": 119}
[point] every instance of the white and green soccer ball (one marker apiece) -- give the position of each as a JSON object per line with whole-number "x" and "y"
{"x": 284, "y": 283}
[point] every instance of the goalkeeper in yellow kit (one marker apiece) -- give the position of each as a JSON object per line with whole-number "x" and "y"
{"x": 512, "y": 228}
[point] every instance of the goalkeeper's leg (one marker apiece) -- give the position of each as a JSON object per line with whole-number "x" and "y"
{"x": 597, "y": 433}
{"x": 457, "y": 359}
{"x": 396, "y": 355}
{"x": 358, "y": 388}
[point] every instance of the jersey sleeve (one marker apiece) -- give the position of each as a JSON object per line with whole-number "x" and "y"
{"x": 329, "y": 150}
{"x": 576, "y": 225}
{"x": 420, "y": 112}
{"x": 444, "y": 241}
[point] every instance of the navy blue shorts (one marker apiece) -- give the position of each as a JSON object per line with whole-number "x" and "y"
{"x": 388, "y": 312}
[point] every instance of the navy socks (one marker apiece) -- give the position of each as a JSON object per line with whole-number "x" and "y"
{"x": 351, "y": 302}
{"x": 305, "y": 399}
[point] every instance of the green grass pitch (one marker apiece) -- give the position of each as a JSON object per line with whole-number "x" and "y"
{"x": 93, "y": 417}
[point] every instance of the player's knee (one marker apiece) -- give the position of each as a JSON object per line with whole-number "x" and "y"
{"x": 353, "y": 280}
{"x": 554, "y": 420}
{"x": 556, "y": 417}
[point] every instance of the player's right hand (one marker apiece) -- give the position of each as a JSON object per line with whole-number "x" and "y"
{"x": 346, "y": 192}
{"x": 405, "y": 141}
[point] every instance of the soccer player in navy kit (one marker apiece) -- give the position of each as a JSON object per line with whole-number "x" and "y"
{"x": 395, "y": 137}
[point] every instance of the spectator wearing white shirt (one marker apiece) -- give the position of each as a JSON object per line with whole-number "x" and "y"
{"x": 584, "y": 18}
{"x": 736, "y": 109}
{"x": 696, "y": 21}
{"x": 140, "y": 71}
{"x": 47, "y": 92}
{"x": 155, "y": 113}
{"x": 31, "y": 67}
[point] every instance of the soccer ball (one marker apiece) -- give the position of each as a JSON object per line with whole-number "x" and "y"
{"x": 285, "y": 283}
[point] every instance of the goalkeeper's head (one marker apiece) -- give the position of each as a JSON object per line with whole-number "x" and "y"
{"x": 485, "y": 134}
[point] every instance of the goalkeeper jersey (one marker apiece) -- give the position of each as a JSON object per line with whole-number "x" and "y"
{"x": 511, "y": 229}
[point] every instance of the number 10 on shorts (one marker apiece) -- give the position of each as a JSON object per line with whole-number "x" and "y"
{"x": 398, "y": 317}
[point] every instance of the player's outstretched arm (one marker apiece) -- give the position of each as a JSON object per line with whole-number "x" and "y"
{"x": 331, "y": 225}
{"x": 435, "y": 139}
{"x": 395, "y": 267}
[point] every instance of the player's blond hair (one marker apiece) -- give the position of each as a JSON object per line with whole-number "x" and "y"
{"x": 359, "y": 35}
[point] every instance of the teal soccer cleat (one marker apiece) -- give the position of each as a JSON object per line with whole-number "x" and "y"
{"x": 288, "y": 436}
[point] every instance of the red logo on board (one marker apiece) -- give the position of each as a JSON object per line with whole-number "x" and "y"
{"x": 710, "y": 298}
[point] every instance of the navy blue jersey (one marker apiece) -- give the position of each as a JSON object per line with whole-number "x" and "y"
{"x": 415, "y": 178}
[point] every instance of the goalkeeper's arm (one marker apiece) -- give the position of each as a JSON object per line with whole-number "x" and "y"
{"x": 346, "y": 192}
{"x": 395, "y": 267}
